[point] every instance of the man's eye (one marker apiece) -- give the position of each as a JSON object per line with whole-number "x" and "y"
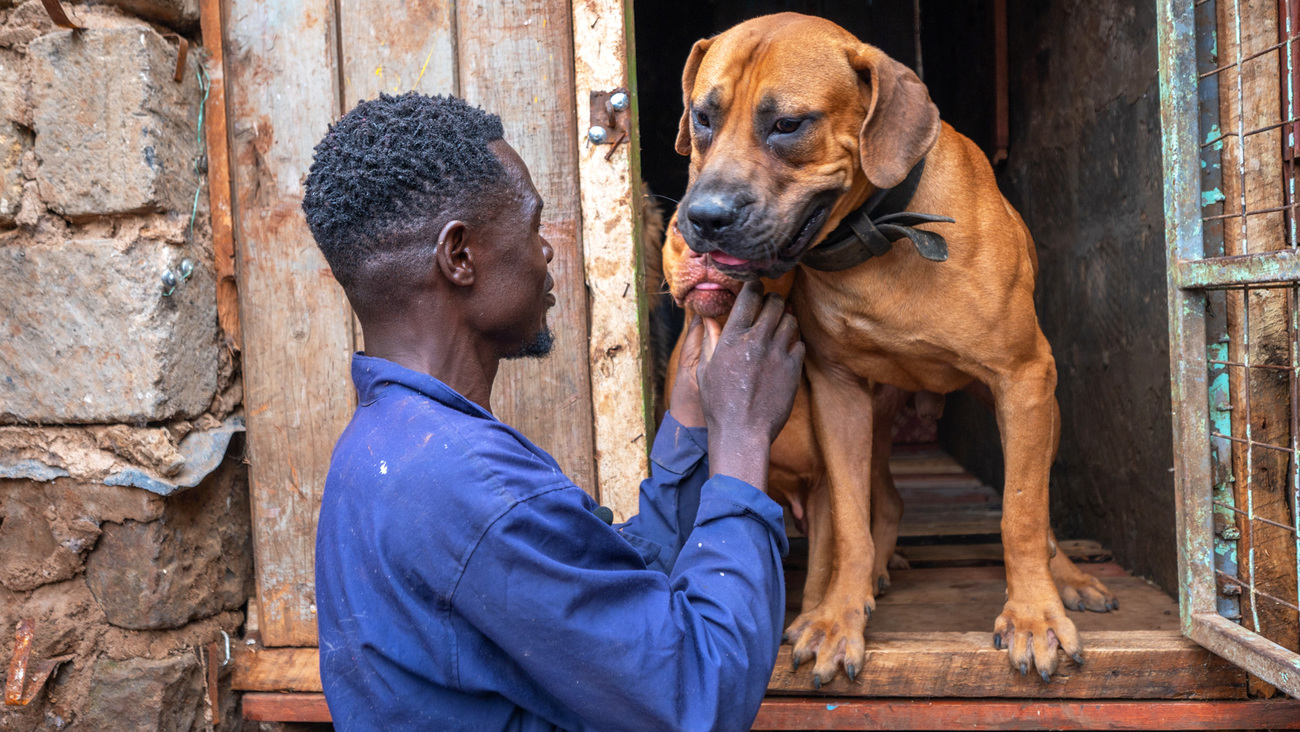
{"x": 786, "y": 125}
{"x": 701, "y": 119}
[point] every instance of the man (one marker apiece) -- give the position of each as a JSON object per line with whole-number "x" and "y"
{"x": 462, "y": 581}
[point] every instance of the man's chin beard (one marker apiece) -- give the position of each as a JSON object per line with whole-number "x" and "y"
{"x": 539, "y": 346}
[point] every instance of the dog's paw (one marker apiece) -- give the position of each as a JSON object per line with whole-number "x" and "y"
{"x": 831, "y": 633}
{"x": 1032, "y": 633}
{"x": 898, "y": 561}
{"x": 1086, "y": 593}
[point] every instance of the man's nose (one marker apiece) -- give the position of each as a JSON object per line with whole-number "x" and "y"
{"x": 548, "y": 251}
{"x": 713, "y": 213}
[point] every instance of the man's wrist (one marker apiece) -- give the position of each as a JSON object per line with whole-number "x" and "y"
{"x": 743, "y": 455}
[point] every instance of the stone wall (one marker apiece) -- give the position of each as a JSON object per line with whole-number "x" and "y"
{"x": 1085, "y": 172}
{"x": 125, "y": 533}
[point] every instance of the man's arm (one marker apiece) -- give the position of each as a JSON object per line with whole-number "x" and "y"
{"x": 670, "y": 497}
{"x": 623, "y": 648}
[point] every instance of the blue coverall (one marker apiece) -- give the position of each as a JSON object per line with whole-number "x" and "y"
{"x": 463, "y": 582}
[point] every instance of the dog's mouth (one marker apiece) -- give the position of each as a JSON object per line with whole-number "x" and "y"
{"x": 786, "y": 257}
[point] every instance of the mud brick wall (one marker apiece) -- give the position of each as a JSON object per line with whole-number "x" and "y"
{"x": 1084, "y": 170}
{"x": 124, "y": 515}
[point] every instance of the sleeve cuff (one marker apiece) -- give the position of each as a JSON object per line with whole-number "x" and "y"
{"x": 677, "y": 448}
{"x": 724, "y": 496}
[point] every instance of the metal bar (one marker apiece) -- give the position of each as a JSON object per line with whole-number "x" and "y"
{"x": 1257, "y": 518}
{"x": 1290, "y": 207}
{"x": 1249, "y": 442}
{"x": 1187, "y": 355}
{"x": 1245, "y": 269}
{"x": 1253, "y": 366}
{"x": 1251, "y": 57}
{"x": 1256, "y": 591}
{"x": 1251, "y": 651}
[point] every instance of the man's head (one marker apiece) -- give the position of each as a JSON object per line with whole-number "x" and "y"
{"x": 421, "y": 208}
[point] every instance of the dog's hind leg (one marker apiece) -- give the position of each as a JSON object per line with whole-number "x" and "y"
{"x": 833, "y": 630}
{"x": 821, "y": 547}
{"x": 1033, "y": 622}
{"x": 886, "y": 503}
{"x": 1079, "y": 590}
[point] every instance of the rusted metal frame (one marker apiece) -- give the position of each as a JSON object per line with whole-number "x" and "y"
{"x": 1188, "y": 367}
{"x": 1257, "y": 518}
{"x": 1264, "y": 268}
{"x": 1288, "y": 208}
{"x": 1269, "y": 366}
{"x": 1259, "y": 592}
{"x": 1252, "y": 443}
{"x": 1248, "y": 649}
{"x": 1251, "y": 57}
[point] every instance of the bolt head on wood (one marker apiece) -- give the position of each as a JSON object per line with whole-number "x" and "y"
{"x": 598, "y": 135}
{"x": 619, "y": 101}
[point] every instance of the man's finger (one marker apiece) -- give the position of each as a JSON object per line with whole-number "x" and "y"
{"x": 787, "y": 332}
{"x": 770, "y": 316}
{"x": 747, "y": 305}
{"x": 712, "y": 332}
{"x": 693, "y": 344}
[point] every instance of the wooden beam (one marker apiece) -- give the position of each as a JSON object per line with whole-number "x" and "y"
{"x": 275, "y": 669}
{"x": 893, "y": 714}
{"x": 921, "y": 714}
{"x": 516, "y": 59}
{"x": 1117, "y": 665}
{"x": 396, "y": 46}
{"x": 297, "y": 331}
{"x": 610, "y": 179}
{"x": 216, "y": 136}
{"x": 264, "y": 707}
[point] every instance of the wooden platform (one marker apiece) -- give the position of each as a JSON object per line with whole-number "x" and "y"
{"x": 930, "y": 660}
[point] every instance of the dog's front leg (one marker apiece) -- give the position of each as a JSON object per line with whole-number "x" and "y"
{"x": 842, "y": 422}
{"x": 886, "y": 503}
{"x": 1033, "y": 623}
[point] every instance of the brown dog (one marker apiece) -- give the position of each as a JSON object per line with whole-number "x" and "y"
{"x": 792, "y": 124}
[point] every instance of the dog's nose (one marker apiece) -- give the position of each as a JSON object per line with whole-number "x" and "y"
{"x": 713, "y": 214}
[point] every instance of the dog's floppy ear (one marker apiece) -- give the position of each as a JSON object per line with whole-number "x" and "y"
{"x": 901, "y": 125}
{"x": 688, "y": 85}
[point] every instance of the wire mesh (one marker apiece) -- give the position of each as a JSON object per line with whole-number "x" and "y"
{"x": 1249, "y": 90}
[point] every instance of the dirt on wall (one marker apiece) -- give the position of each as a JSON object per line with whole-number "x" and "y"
{"x": 1085, "y": 172}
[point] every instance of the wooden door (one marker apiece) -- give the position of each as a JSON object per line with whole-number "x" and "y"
{"x": 294, "y": 66}
{"x": 1234, "y": 320}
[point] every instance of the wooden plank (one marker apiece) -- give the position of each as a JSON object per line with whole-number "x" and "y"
{"x": 275, "y": 669}
{"x": 917, "y": 714}
{"x": 263, "y": 707}
{"x": 396, "y": 46}
{"x": 1118, "y": 665}
{"x": 611, "y": 227}
{"x": 216, "y": 137}
{"x": 975, "y": 522}
{"x": 1274, "y": 664}
{"x": 1078, "y": 550}
{"x": 283, "y": 93}
{"x": 888, "y": 714}
{"x": 516, "y": 60}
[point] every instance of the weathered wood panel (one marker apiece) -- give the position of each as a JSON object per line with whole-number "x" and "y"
{"x": 611, "y": 229}
{"x": 516, "y": 60}
{"x": 275, "y": 669}
{"x": 396, "y": 46}
{"x": 281, "y": 62}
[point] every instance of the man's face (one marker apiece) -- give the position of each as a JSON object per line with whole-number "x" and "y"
{"x": 516, "y": 291}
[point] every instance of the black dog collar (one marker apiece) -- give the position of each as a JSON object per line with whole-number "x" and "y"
{"x": 868, "y": 232}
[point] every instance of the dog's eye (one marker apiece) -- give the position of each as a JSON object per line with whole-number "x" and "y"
{"x": 786, "y": 125}
{"x": 701, "y": 119}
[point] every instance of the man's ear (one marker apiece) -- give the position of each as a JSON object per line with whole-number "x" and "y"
{"x": 453, "y": 256}
{"x": 901, "y": 125}
{"x": 688, "y": 85}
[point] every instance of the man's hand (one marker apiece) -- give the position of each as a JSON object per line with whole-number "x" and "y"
{"x": 684, "y": 402}
{"x": 747, "y": 381}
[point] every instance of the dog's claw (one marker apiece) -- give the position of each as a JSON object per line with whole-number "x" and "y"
{"x": 1024, "y": 669}
{"x": 997, "y": 641}
{"x": 817, "y": 683}
{"x": 868, "y": 609}
{"x": 1078, "y": 658}
{"x": 785, "y": 638}
{"x": 1047, "y": 679}
{"x": 1080, "y": 606}
{"x": 880, "y": 586}
{"x": 852, "y": 671}
{"x": 794, "y": 663}
{"x": 1114, "y": 604}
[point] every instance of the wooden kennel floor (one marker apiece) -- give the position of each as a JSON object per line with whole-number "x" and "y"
{"x": 930, "y": 660}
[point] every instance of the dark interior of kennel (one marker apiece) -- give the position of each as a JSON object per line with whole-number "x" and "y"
{"x": 1083, "y": 167}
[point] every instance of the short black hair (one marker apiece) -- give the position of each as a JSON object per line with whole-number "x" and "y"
{"x": 392, "y": 166}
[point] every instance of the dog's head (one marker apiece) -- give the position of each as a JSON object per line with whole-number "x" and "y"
{"x": 789, "y": 121}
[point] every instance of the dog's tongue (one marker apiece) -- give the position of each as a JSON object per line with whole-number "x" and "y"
{"x": 728, "y": 260}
